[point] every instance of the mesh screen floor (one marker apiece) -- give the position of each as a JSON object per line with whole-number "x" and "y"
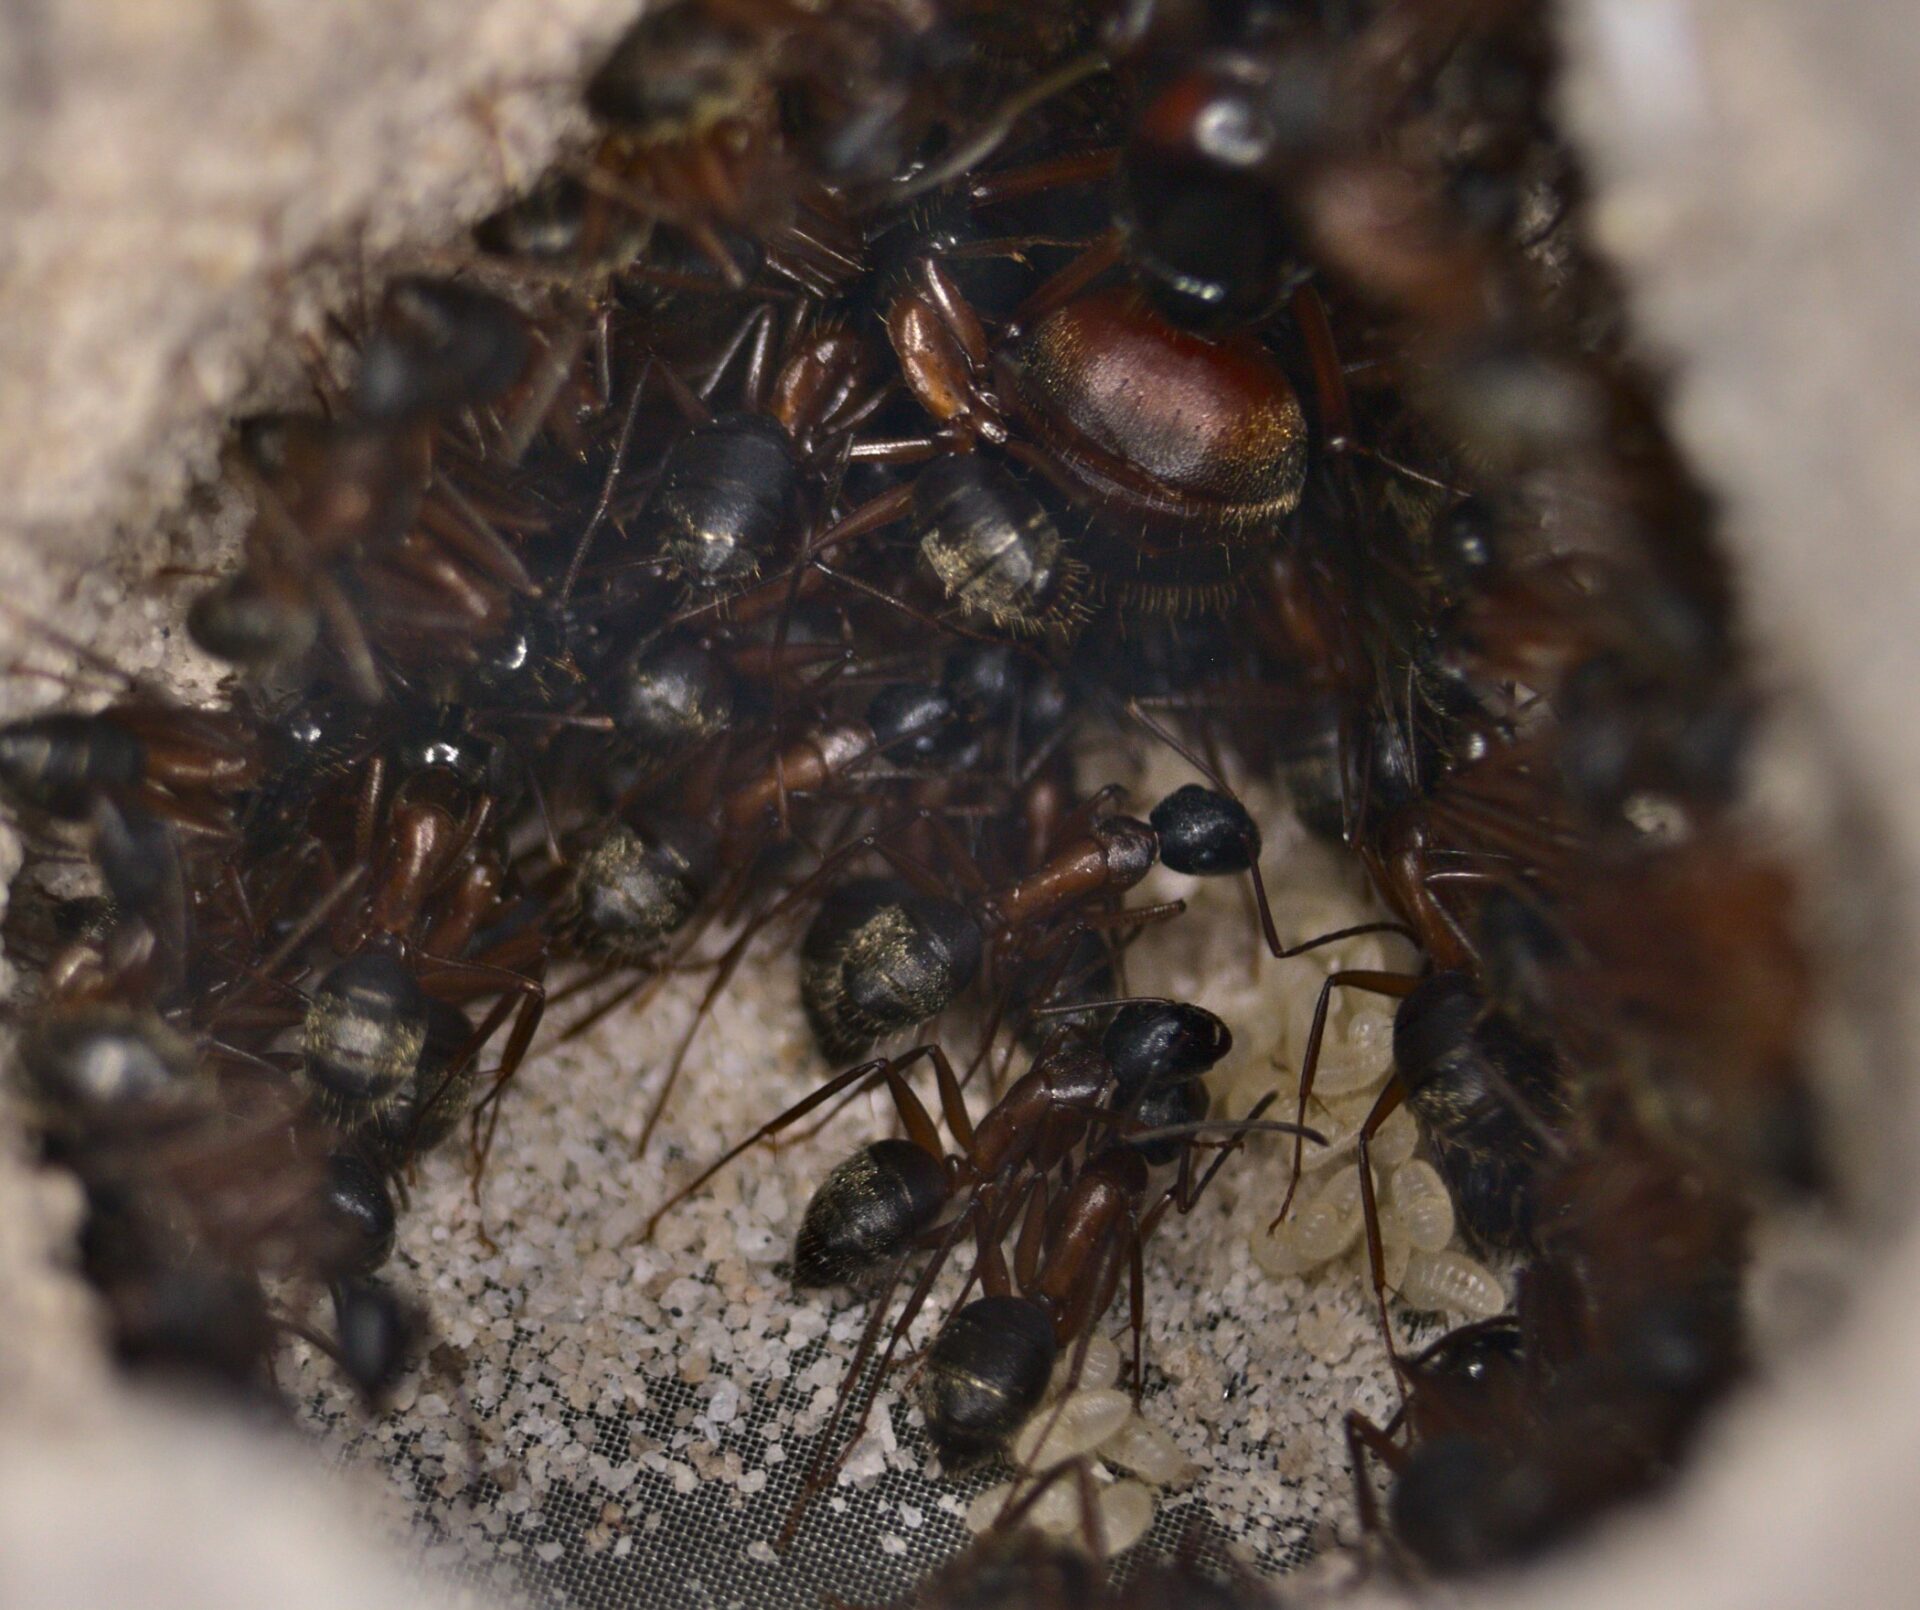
{"x": 640, "y": 1416}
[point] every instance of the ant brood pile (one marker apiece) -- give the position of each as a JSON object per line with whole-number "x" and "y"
{"x": 897, "y": 413}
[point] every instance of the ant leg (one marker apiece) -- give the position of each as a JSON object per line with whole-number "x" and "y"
{"x": 1137, "y": 1312}
{"x": 755, "y": 331}
{"x": 692, "y": 408}
{"x": 1129, "y": 916}
{"x": 1329, "y": 380}
{"x": 830, "y": 1457}
{"x": 773, "y": 1126}
{"x": 531, "y": 1007}
{"x": 475, "y": 538}
{"x": 952, "y": 1107}
{"x": 1031, "y": 1245}
{"x": 607, "y": 485}
{"x": 1388, "y": 1103}
{"x": 1036, "y": 178}
{"x": 821, "y": 1467}
{"x": 349, "y": 637}
{"x": 545, "y": 384}
{"x": 1103, "y": 253}
{"x": 999, "y": 123}
{"x": 898, "y": 449}
{"x": 1363, "y": 1438}
{"x": 1389, "y": 984}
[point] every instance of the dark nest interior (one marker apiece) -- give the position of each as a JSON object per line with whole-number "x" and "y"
{"x": 1081, "y": 622}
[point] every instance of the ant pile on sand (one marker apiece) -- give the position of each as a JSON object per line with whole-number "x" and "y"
{"x": 682, "y": 683}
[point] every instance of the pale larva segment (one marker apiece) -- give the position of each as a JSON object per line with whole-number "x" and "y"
{"x": 1395, "y": 1250}
{"x": 1420, "y": 1202}
{"x": 1393, "y": 1141}
{"x": 1101, "y": 1368}
{"x": 1451, "y": 1282}
{"x": 1061, "y": 1511}
{"x": 1322, "y": 1225}
{"x": 1356, "y": 1053}
{"x": 1126, "y": 1514}
{"x": 1077, "y": 1424}
{"x": 1276, "y": 1255}
{"x": 986, "y": 1508}
{"x": 1057, "y": 1511}
{"x": 1339, "y": 1122}
{"x": 1145, "y": 1449}
{"x": 1328, "y": 1222}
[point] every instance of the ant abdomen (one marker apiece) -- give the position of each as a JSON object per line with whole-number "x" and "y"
{"x": 994, "y": 549}
{"x": 724, "y": 498}
{"x": 870, "y": 1209}
{"x": 375, "y": 1332}
{"x": 1465, "y": 1068}
{"x": 60, "y": 764}
{"x": 250, "y": 623}
{"x": 918, "y": 724}
{"x": 672, "y": 696}
{"x": 632, "y": 890}
{"x": 879, "y": 958}
{"x": 985, "y": 1374}
{"x": 365, "y": 1029}
{"x": 1197, "y": 449}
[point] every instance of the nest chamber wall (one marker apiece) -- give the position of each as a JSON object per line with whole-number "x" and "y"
{"x": 181, "y": 187}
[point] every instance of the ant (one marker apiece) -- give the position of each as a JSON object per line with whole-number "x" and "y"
{"x": 1628, "y": 1327}
{"x": 343, "y": 500}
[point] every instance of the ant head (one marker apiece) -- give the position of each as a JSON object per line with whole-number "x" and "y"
{"x": 437, "y": 346}
{"x": 916, "y": 723}
{"x": 94, "y": 1060}
{"x": 1151, "y": 1044}
{"x": 1205, "y": 833}
{"x": 248, "y": 621}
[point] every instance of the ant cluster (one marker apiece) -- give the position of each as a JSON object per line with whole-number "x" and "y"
{"x": 753, "y": 541}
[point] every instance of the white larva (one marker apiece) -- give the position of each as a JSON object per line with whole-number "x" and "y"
{"x": 986, "y": 1508}
{"x": 1126, "y": 1512}
{"x": 1339, "y": 1122}
{"x": 1453, "y": 1282}
{"x": 1395, "y": 1250}
{"x": 1276, "y": 1255}
{"x": 1325, "y": 1226}
{"x": 1394, "y": 1141}
{"x": 1145, "y": 1449}
{"x": 1421, "y": 1204}
{"x": 1075, "y": 1425}
{"x": 1100, "y": 1369}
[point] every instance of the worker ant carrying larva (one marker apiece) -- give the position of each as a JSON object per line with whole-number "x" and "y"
{"x": 1101, "y": 1105}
